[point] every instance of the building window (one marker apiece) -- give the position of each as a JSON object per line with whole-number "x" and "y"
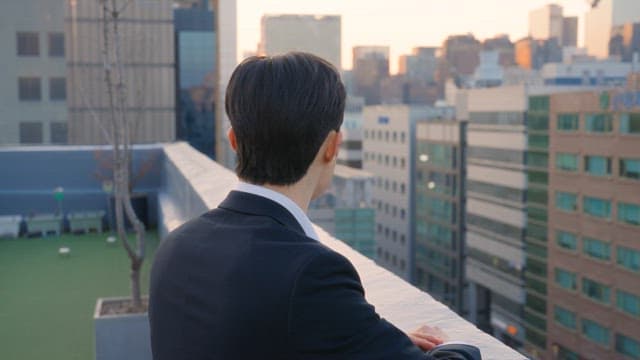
{"x": 394, "y": 260}
{"x": 402, "y": 213}
{"x": 394, "y": 186}
{"x": 566, "y": 240}
{"x": 630, "y": 123}
{"x": 30, "y": 133}
{"x": 394, "y": 236}
{"x": 596, "y": 291}
{"x": 386, "y": 136}
{"x": 597, "y": 207}
{"x": 28, "y": 44}
{"x": 630, "y": 168}
{"x": 599, "y": 123}
{"x": 597, "y": 165}
{"x": 629, "y": 213}
{"x": 566, "y": 162}
{"x": 29, "y": 89}
{"x": 596, "y": 249}
{"x": 403, "y": 264}
{"x": 57, "y": 89}
{"x": 402, "y": 137}
{"x": 403, "y": 239}
{"x": 568, "y": 122}
{"x": 566, "y": 279}
{"x": 395, "y": 136}
{"x": 402, "y": 188}
{"x": 56, "y": 44}
{"x": 402, "y": 163}
{"x": 627, "y": 346}
{"x": 566, "y": 201}
{"x": 58, "y": 131}
{"x": 628, "y": 302}
{"x": 628, "y": 258}
{"x": 565, "y": 317}
{"x": 395, "y": 161}
{"x": 595, "y": 332}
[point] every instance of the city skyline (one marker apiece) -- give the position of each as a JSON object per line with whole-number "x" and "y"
{"x": 403, "y": 26}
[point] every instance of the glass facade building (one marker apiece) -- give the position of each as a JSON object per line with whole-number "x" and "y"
{"x": 195, "y": 47}
{"x": 440, "y": 211}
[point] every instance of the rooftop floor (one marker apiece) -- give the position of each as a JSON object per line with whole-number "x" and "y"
{"x": 47, "y": 301}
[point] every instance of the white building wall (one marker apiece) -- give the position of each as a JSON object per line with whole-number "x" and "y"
{"x": 41, "y": 16}
{"x": 381, "y": 150}
{"x": 226, "y": 20}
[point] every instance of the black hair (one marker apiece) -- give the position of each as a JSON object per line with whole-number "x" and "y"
{"x": 281, "y": 109}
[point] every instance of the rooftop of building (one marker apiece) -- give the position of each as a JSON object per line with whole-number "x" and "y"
{"x": 183, "y": 183}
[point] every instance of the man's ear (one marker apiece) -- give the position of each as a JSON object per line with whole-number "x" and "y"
{"x": 334, "y": 139}
{"x": 231, "y": 135}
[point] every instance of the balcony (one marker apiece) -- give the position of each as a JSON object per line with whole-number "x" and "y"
{"x": 180, "y": 183}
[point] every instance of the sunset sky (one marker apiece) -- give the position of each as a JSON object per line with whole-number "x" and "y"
{"x": 403, "y": 24}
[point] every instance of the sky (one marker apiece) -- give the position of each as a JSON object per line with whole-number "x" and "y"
{"x": 403, "y": 24}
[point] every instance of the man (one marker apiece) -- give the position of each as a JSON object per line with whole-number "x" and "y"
{"x": 249, "y": 280}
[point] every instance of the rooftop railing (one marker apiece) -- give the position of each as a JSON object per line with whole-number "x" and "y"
{"x": 192, "y": 184}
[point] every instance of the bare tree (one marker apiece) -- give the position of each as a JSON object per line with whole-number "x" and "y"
{"x": 118, "y": 128}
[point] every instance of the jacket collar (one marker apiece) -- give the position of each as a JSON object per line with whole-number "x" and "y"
{"x": 246, "y": 203}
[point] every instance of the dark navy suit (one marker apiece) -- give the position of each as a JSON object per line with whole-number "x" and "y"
{"x": 244, "y": 282}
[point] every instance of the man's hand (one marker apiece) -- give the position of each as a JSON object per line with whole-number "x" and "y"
{"x": 426, "y": 337}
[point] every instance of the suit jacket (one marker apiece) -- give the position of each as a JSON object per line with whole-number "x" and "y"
{"x": 244, "y": 282}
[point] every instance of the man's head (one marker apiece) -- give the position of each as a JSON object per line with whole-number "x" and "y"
{"x": 283, "y": 110}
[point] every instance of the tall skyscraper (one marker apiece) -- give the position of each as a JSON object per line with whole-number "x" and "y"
{"x": 317, "y": 34}
{"x": 440, "y": 211}
{"x": 546, "y": 22}
{"x": 370, "y": 67}
{"x": 421, "y": 64}
{"x": 601, "y": 19}
{"x": 33, "y": 84}
{"x": 584, "y": 217}
{"x": 195, "y": 55}
{"x": 146, "y": 50}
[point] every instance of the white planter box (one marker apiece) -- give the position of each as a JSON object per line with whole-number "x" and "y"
{"x": 121, "y": 337}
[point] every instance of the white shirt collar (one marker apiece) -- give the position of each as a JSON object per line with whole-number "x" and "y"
{"x": 283, "y": 200}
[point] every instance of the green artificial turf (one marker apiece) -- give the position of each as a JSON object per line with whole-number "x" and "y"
{"x": 47, "y": 300}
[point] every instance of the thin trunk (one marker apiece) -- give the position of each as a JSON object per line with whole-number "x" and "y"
{"x": 136, "y": 257}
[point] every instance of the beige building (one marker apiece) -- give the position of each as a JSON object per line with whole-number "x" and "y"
{"x": 33, "y": 88}
{"x": 317, "y": 34}
{"x": 147, "y": 54}
{"x": 593, "y": 306}
{"x": 601, "y": 19}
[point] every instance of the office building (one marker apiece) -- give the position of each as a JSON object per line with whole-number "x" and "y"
{"x": 495, "y": 209}
{"x": 625, "y": 42}
{"x": 147, "y": 58}
{"x": 33, "y": 88}
{"x": 350, "y": 153}
{"x": 532, "y": 53}
{"x": 505, "y": 48}
{"x": 389, "y": 154}
{"x": 440, "y": 211}
{"x": 602, "y": 18}
{"x": 462, "y": 54}
{"x": 226, "y": 49}
{"x": 317, "y": 34}
{"x": 586, "y": 279}
{"x": 489, "y": 73}
{"x": 195, "y": 54}
{"x": 586, "y": 73}
{"x": 346, "y": 210}
{"x": 569, "y": 31}
{"x": 370, "y": 67}
{"x": 420, "y": 65}
{"x": 548, "y": 22}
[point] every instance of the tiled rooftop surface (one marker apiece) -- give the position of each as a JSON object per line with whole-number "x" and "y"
{"x": 193, "y": 184}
